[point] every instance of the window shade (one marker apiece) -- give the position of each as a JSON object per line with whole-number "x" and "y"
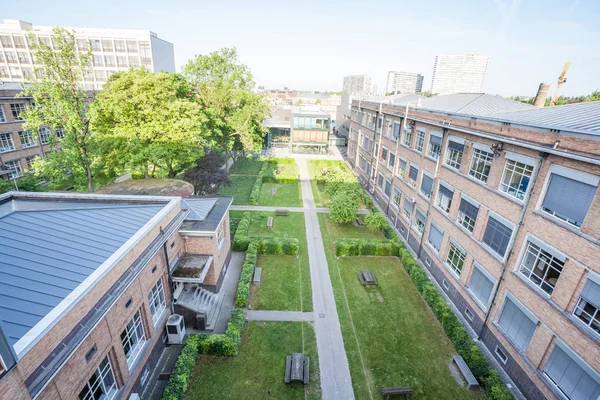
{"x": 402, "y": 164}
{"x": 414, "y": 172}
{"x": 591, "y": 293}
{"x": 446, "y": 192}
{"x": 468, "y": 209}
{"x": 569, "y": 198}
{"x": 516, "y": 324}
{"x": 568, "y": 375}
{"x": 420, "y": 216}
{"x": 435, "y": 237}
{"x": 497, "y": 236}
{"x": 456, "y": 146}
{"x": 427, "y": 184}
{"x": 435, "y": 139}
{"x": 481, "y": 286}
{"x": 408, "y": 205}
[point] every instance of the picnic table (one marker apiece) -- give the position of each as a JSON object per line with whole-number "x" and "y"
{"x": 296, "y": 368}
{"x": 366, "y": 277}
{"x": 396, "y": 391}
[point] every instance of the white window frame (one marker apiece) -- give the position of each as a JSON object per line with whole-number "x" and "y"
{"x": 407, "y": 137}
{"x": 15, "y": 167}
{"x": 44, "y": 134}
{"x": 420, "y": 142}
{"x": 27, "y": 139}
{"x": 2, "y": 116}
{"x": 420, "y": 229}
{"x": 221, "y": 235}
{"x": 426, "y": 195}
{"x": 397, "y": 198}
{"x": 537, "y": 248}
{"x": 6, "y": 142}
{"x": 516, "y": 165}
{"x": 16, "y": 109}
{"x": 133, "y": 335}
{"x": 489, "y": 276}
{"x": 402, "y": 172}
{"x": 460, "y": 255}
{"x": 462, "y": 219}
{"x": 481, "y": 159}
{"x": 156, "y": 299}
{"x": 101, "y": 374}
{"x": 431, "y": 145}
{"x": 444, "y": 207}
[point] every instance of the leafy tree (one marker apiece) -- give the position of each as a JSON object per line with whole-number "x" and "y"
{"x": 223, "y": 87}
{"x": 148, "y": 122}
{"x": 209, "y": 174}
{"x": 375, "y": 220}
{"x": 344, "y": 206}
{"x": 62, "y": 102}
{"x": 25, "y": 183}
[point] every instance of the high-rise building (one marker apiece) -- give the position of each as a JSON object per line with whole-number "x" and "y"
{"x": 357, "y": 85}
{"x": 458, "y": 73}
{"x": 404, "y": 82}
{"x": 113, "y": 50}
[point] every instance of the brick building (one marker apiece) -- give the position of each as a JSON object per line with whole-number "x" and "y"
{"x": 500, "y": 204}
{"x": 87, "y": 283}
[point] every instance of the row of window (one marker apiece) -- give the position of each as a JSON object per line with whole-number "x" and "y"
{"x": 102, "y": 383}
{"x": 27, "y": 138}
{"x": 15, "y": 109}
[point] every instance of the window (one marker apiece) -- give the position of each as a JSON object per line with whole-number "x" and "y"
{"x": 571, "y": 376}
{"x": 396, "y": 130}
{"x": 426, "y": 185}
{"x": 568, "y": 199}
{"x": 369, "y": 121}
{"x": 44, "y": 134}
{"x": 2, "y": 117}
{"x": 107, "y": 45}
{"x": 132, "y": 46}
{"x": 122, "y": 61}
{"x": 11, "y": 57}
{"x": 497, "y": 235}
{"x": 435, "y": 237}
{"x": 588, "y": 306}
{"x": 420, "y": 221}
{"x": 27, "y": 139}
{"x": 19, "y": 42}
{"x": 407, "y": 210}
{"x": 481, "y": 284}
{"x": 480, "y": 165}
{"x": 388, "y": 187}
{"x": 517, "y": 323}
{"x": 402, "y": 168}
{"x": 446, "y": 284}
{"x": 407, "y": 137}
{"x": 412, "y": 176}
{"x": 101, "y": 385}
{"x": 515, "y": 178}
{"x": 435, "y": 146}
{"x": 467, "y": 214}
{"x": 384, "y": 154}
{"x": 388, "y": 128}
{"x": 3, "y": 74}
{"x": 392, "y": 161}
{"x": 119, "y": 46}
{"x": 444, "y": 198}
{"x": 156, "y": 299}
{"x": 133, "y": 339}
{"x": 363, "y": 118}
{"x": 541, "y": 267}
{"x": 469, "y": 314}
{"x": 221, "y": 234}
{"x": 379, "y": 124}
{"x": 29, "y": 161}
{"x": 98, "y": 60}
{"x": 110, "y": 61}
{"x": 6, "y": 142}
{"x": 100, "y": 75}
{"x": 134, "y": 61}
{"x": 23, "y": 57}
{"x": 380, "y": 181}
{"x": 501, "y": 355}
{"x": 95, "y": 45}
{"x": 456, "y": 258}
{"x": 397, "y": 197}
{"x": 145, "y": 53}
{"x": 60, "y": 132}
{"x": 6, "y": 41}
{"x": 17, "y": 109}
{"x": 420, "y": 141}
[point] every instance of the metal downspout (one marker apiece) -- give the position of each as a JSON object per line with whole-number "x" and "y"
{"x": 169, "y": 276}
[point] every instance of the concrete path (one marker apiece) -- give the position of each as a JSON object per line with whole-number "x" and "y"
{"x": 335, "y": 372}
{"x": 290, "y": 209}
{"x": 263, "y": 315}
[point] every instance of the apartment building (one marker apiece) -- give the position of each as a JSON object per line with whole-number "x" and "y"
{"x": 357, "y": 85}
{"x": 113, "y": 50}
{"x": 404, "y": 82}
{"x": 458, "y": 73}
{"x": 88, "y": 281}
{"x": 501, "y": 206}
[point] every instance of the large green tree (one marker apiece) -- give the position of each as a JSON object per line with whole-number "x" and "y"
{"x": 61, "y": 102}
{"x": 223, "y": 86}
{"x": 148, "y": 123}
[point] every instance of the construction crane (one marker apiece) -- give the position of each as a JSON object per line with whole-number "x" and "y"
{"x": 561, "y": 80}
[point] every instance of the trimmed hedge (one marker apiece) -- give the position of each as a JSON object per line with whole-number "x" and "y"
{"x": 280, "y": 179}
{"x": 365, "y": 247}
{"x": 180, "y": 378}
{"x": 275, "y": 160}
{"x": 243, "y": 290}
{"x": 227, "y": 344}
{"x": 254, "y": 194}
{"x": 278, "y": 246}
{"x": 241, "y": 240}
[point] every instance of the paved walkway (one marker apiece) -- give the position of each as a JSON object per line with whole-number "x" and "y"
{"x": 335, "y": 372}
{"x": 263, "y": 315}
{"x": 291, "y": 209}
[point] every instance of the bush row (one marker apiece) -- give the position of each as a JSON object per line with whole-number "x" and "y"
{"x": 280, "y": 178}
{"x": 275, "y": 160}
{"x": 365, "y": 247}
{"x": 258, "y": 184}
{"x": 227, "y": 344}
{"x": 182, "y": 371}
{"x": 243, "y": 290}
{"x": 241, "y": 241}
{"x": 466, "y": 347}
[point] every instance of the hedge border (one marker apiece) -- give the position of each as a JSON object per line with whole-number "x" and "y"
{"x": 365, "y": 247}
{"x": 255, "y": 193}
{"x": 272, "y": 245}
{"x": 180, "y": 377}
{"x": 243, "y": 289}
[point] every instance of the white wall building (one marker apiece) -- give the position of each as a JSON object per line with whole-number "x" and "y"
{"x": 359, "y": 85}
{"x": 404, "y": 82}
{"x": 113, "y": 49}
{"x": 459, "y": 73}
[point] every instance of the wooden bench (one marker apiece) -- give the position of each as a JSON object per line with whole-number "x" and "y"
{"x": 296, "y": 368}
{"x": 281, "y": 212}
{"x": 360, "y": 222}
{"x": 270, "y": 222}
{"x": 366, "y": 277}
{"x": 465, "y": 371}
{"x": 396, "y": 392}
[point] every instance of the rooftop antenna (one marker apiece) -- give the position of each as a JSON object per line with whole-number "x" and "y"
{"x": 561, "y": 80}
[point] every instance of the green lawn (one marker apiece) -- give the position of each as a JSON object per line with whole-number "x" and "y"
{"x": 401, "y": 342}
{"x": 321, "y": 198}
{"x": 246, "y": 166}
{"x": 349, "y": 230}
{"x": 288, "y": 194}
{"x": 240, "y": 189}
{"x": 258, "y": 371}
{"x": 284, "y": 169}
{"x": 280, "y": 286}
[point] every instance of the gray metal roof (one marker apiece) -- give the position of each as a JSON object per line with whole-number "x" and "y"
{"x": 48, "y": 248}
{"x": 584, "y": 117}
{"x": 199, "y": 208}
{"x": 212, "y": 219}
{"x": 473, "y": 104}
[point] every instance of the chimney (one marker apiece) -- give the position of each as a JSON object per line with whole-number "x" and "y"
{"x": 542, "y": 94}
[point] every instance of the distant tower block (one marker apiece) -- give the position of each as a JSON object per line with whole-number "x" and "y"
{"x": 542, "y": 95}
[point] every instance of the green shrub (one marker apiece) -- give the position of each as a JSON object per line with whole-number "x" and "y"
{"x": 495, "y": 388}
{"x": 419, "y": 278}
{"x": 227, "y": 344}
{"x": 278, "y": 246}
{"x": 255, "y": 193}
{"x": 280, "y": 179}
{"x": 376, "y": 220}
{"x": 243, "y": 290}
{"x": 241, "y": 239}
{"x": 276, "y": 160}
{"x": 365, "y": 247}
{"x": 180, "y": 377}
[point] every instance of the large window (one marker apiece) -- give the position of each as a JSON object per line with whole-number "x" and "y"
{"x": 17, "y": 109}
{"x": 426, "y": 185}
{"x": 384, "y": 154}
{"x": 481, "y": 284}
{"x": 420, "y": 141}
{"x": 568, "y": 199}
{"x": 369, "y": 121}
{"x": 435, "y": 237}
{"x": 402, "y": 169}
{"x": 107, "y": 45}
{"x": 6, "y": 142}
{"x": 397, "y": 197}
{"x": 435, "y": 146}
{"x": 407, "y": 209}
{"x": 102, "y": 384}
{"x": 412, "y": 176}
{"x": 588, "y": 306}
{"x": 392, "y": 161}
{"x": 396, "y": 130}
{"x": 133, "y": 339}
{"x": 407, "y": 137}
{"x": 456, "y": 258}
{"x": 44, "y": 134}
{"x": 221, "y": 235}
{"x": 2, "y": 117}
{"x": 515, "y": 178}
{"x": 388, "y": 187}
{"x": 444, "y": 198}
{"x": 571, "y": 375}
{"x": 388, "y": 128}
{"x": 15, "y": 169}
{"x": 27, "y": 139}
{"x": 156, "y": 299}
{"x": 517, "y": 323}
{"x": 467, "y": 214}
{"x": 420, "y": 221}
{"x": 480, "y": 165}
{"x": 380, "y": 180}
{"x": 379, "y": 124}
{"x": 497, "y": 235}
{"x": 541, "y": 267}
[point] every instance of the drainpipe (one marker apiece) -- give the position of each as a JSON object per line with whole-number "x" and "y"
{"x": 431, "y": 200}
{"x": 169, "y": 276}
{"x": 377, "y": 114}
{"x": 543, "y": 156}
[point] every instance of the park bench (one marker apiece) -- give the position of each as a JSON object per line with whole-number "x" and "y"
{"x": 274, "y": 192}
{"x": 396, "y": 392}
{"x": 281, "y": 212}
{"x": 296, "y": 368}
{"x": 360, "y": 222}
{"x": 257, "y": 274}
{"x": 269, "y": 222}
{"x": 465, "y": 371}
{"x": 366, "y": 277}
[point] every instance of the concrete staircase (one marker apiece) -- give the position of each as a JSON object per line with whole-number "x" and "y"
{"x": 207, "y": 302}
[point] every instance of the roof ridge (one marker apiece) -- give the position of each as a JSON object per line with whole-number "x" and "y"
{"x": 471, "y": 102}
